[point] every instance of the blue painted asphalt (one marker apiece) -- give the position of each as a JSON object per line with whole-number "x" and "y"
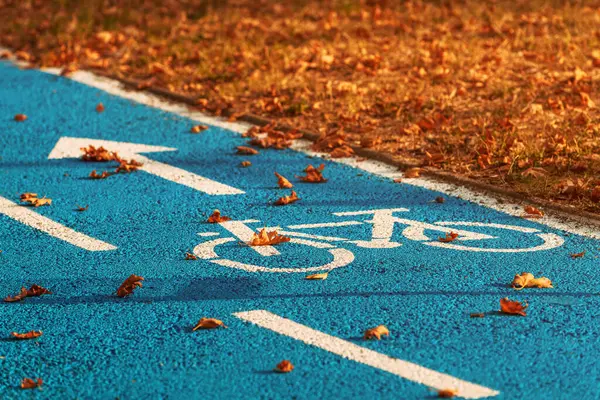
{"x": 98, "y": 346}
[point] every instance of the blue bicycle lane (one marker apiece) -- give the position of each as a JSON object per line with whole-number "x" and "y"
{"x": 98, "y": 346}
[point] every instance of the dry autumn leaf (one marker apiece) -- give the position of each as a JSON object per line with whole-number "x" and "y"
{"x": 28, "y": 383}
{"x": 198, "y": 128}
{"x": 477, "y": 315}
{"x": 100, "y": 108}
{"x": 190, "y": 256}
{"x": 264, "y": 238}
{"x": 25, "y": 336}
{"x": 33, "y": 291}
{"x": 532, "y": 212}
{"x": 412, "y": 173}
{"x": 282, "y": 182}
{"x": 34, "y": 201}
{"x": 129, "y": 285}
{"x": 216, "y": 217}
{"x": 578, "y": 255}
{"x": 450, "y": 237}
{"x": 208, "y": 323}
{"x": 95, "y": 175}
{"x": 440, "y": 200}
{"x": 101, "y": 154}
{"x": 527, "y": 280}
{"x": 313, "y": 175}
{"x": 512, "y": 307}
{"x": 246, "y": 150}
{"x": 317, "y": 277}
{"x": 20, "y": 117}
{"x": 127, "y": 167}
{"x": 81, "y": 209}
{"x": 284, "y": 366}
{"x": 292, "y": 198}
{"x": 245, "y": 164}
{"x": 376, "y": 333}
{"x": 447, "y": 393}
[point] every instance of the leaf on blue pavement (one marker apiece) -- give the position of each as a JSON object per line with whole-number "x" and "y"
{"x": 282, "y": 182}
{"x": 208, "y": 323}
{"x": 313, "y": 175}
{"x": 512, "y": 307}
{"x": 216, "y": 217}
{"x": 27, "y": 335}
{"x": 129, "y": 285}
{"x": 377, "y": 332}
{"x": 317, "y": 277}
{"x": 285, "y": 366}
{"x": 28, "y": 383}
{"x": 264, "y": 238}
{"x": 527, "y": 280}
{"x": 292, "y": 198}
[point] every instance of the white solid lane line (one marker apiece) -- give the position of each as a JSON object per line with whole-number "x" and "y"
{"x": 27, "y": 216}
{"x": 351, "y": 351}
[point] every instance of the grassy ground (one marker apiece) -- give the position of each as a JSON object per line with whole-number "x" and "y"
{"x": 503, "y": 92}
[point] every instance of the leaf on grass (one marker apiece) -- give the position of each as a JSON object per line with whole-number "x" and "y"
{"x": 264, "y": 238}
{"x": 447, "y": 393}
{"x": 216, "y": 217}
{"x": 245, "y": 164}
{"x": 20, "y": 117}
{"x": 246, "y": 150}
{"x": 512, "y": 307}
{"x": 128, "y": 286}
{"x": 284, "y": 366}
{"x": 578, "y": 255}
{"x": 282, "y": 182}
{"x": 28, "y": 335}
{"x": 412, "y": 173}
{"x": 292, "y": 198}
{"x": 95, "y": 175}
{"x": 450, "y": 237}
{"x": 208, "y": 323}
{"x": 527, "y": 280}
{"x": 33, "y": 291}
{"x": 198, "y": 128}
{"x": 532, "y": 212}
{"x": 317, "y": 277}
{"x": 28, "y": 383}
{"x": 377, "y": 332}
{"x": 190, "y": 256}
{"x": 313, "y": 175}
{"x": 92, "y": 153}
{"x": 100, "y": 108}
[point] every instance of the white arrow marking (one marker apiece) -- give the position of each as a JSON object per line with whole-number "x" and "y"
{"x": 68, "y": 147}
{"x": 351, "y": 351}
{"x": 27, "y": 216}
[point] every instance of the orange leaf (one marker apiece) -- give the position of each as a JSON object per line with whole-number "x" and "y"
{"x": 128, "y": 286}
{"x": 216, "y": 217}
{"x": 246, "y": 164}
{"x": 92, "y": 153}
{"x": 34, "y": 291}
{"x": 317, "y": 277}
{"x": 284, "y": 366}
{"x": 81, "y": 209}
{"x": 578, "y": 255}
{"x": 94, "y": 175}
{"x": 377, "y": 332}
{"x": 32, "y": 199}
{"x": 198, "y": 128}
{"x": 342, "y": 152}
{"x": 282, "y": 182}
{"x": 190, "y": 256}
{"x": 532, "y": 212}
{"x": 412, "y": 173}
{"x": 292, "y": 198}
{"x": 264, "y": 238}
{"x": 28, "y": 335}
{"x": 28, "y": 383}
{"x": 313, "y": 175}
{"x": 20, "y": 117}
{"x": 246, "y": 150}
{"x": 100, "y": 108}
{"x": 450, "y": 237}
{"x": 447, "y": 393}
{"x": 512, "y": 307}
{"x": 127, "y": 167}
{"x": 208, "y": 323}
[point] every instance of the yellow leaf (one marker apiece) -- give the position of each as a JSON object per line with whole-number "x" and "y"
{"x": 317, "y": 277}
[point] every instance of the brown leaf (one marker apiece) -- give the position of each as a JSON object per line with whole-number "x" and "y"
{"x": 377, "y": 332}
{"x": 81, "y": 209}
{"x": 532, "y": 212}
{"x": 68, "y": 70}
{"x": 317, "y": 277}
{"x": 246, "y": 164}
{"x": 264, "y": 238}
{"x": 313, "y": 175}
{"x": 190, "y": 256}
{"x": 28, "y": 335}
{"x": 578, "y": 255}
{"x": 20, "y": 117}
{"x": 198, "y": 128}
{"x": 95, "y": 175}
{"x": 512, "y": 307}
{"x": 28, "y": 383}
{"x": 92, "y": 153}
{"x": 440, "y": 199}
{"x": 246, "y": 150}
{"x": 127, "y": 167}
{"x": 447, "y": 393}
{"x": 33, "y": 200}
{"x": 33, "y": 291}
{"x": 100, "y": 108}
{"x": 292, "y": 198}
{"x": 129, "y": 285}
{"x": 284, "y": 366}
{"x": 412, "y": 173}
{"x": 208, "y": 323}
{"x": 450, "y": 237}
{"x": 216, "y": 217}
{"x": 282, "y": 182}
{"x": 477, "y": 315}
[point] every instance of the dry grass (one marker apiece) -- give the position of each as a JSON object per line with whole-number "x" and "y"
{"x": 502, "y": 92}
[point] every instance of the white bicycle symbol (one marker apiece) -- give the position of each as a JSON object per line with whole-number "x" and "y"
{"x": 383, "y": 222}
